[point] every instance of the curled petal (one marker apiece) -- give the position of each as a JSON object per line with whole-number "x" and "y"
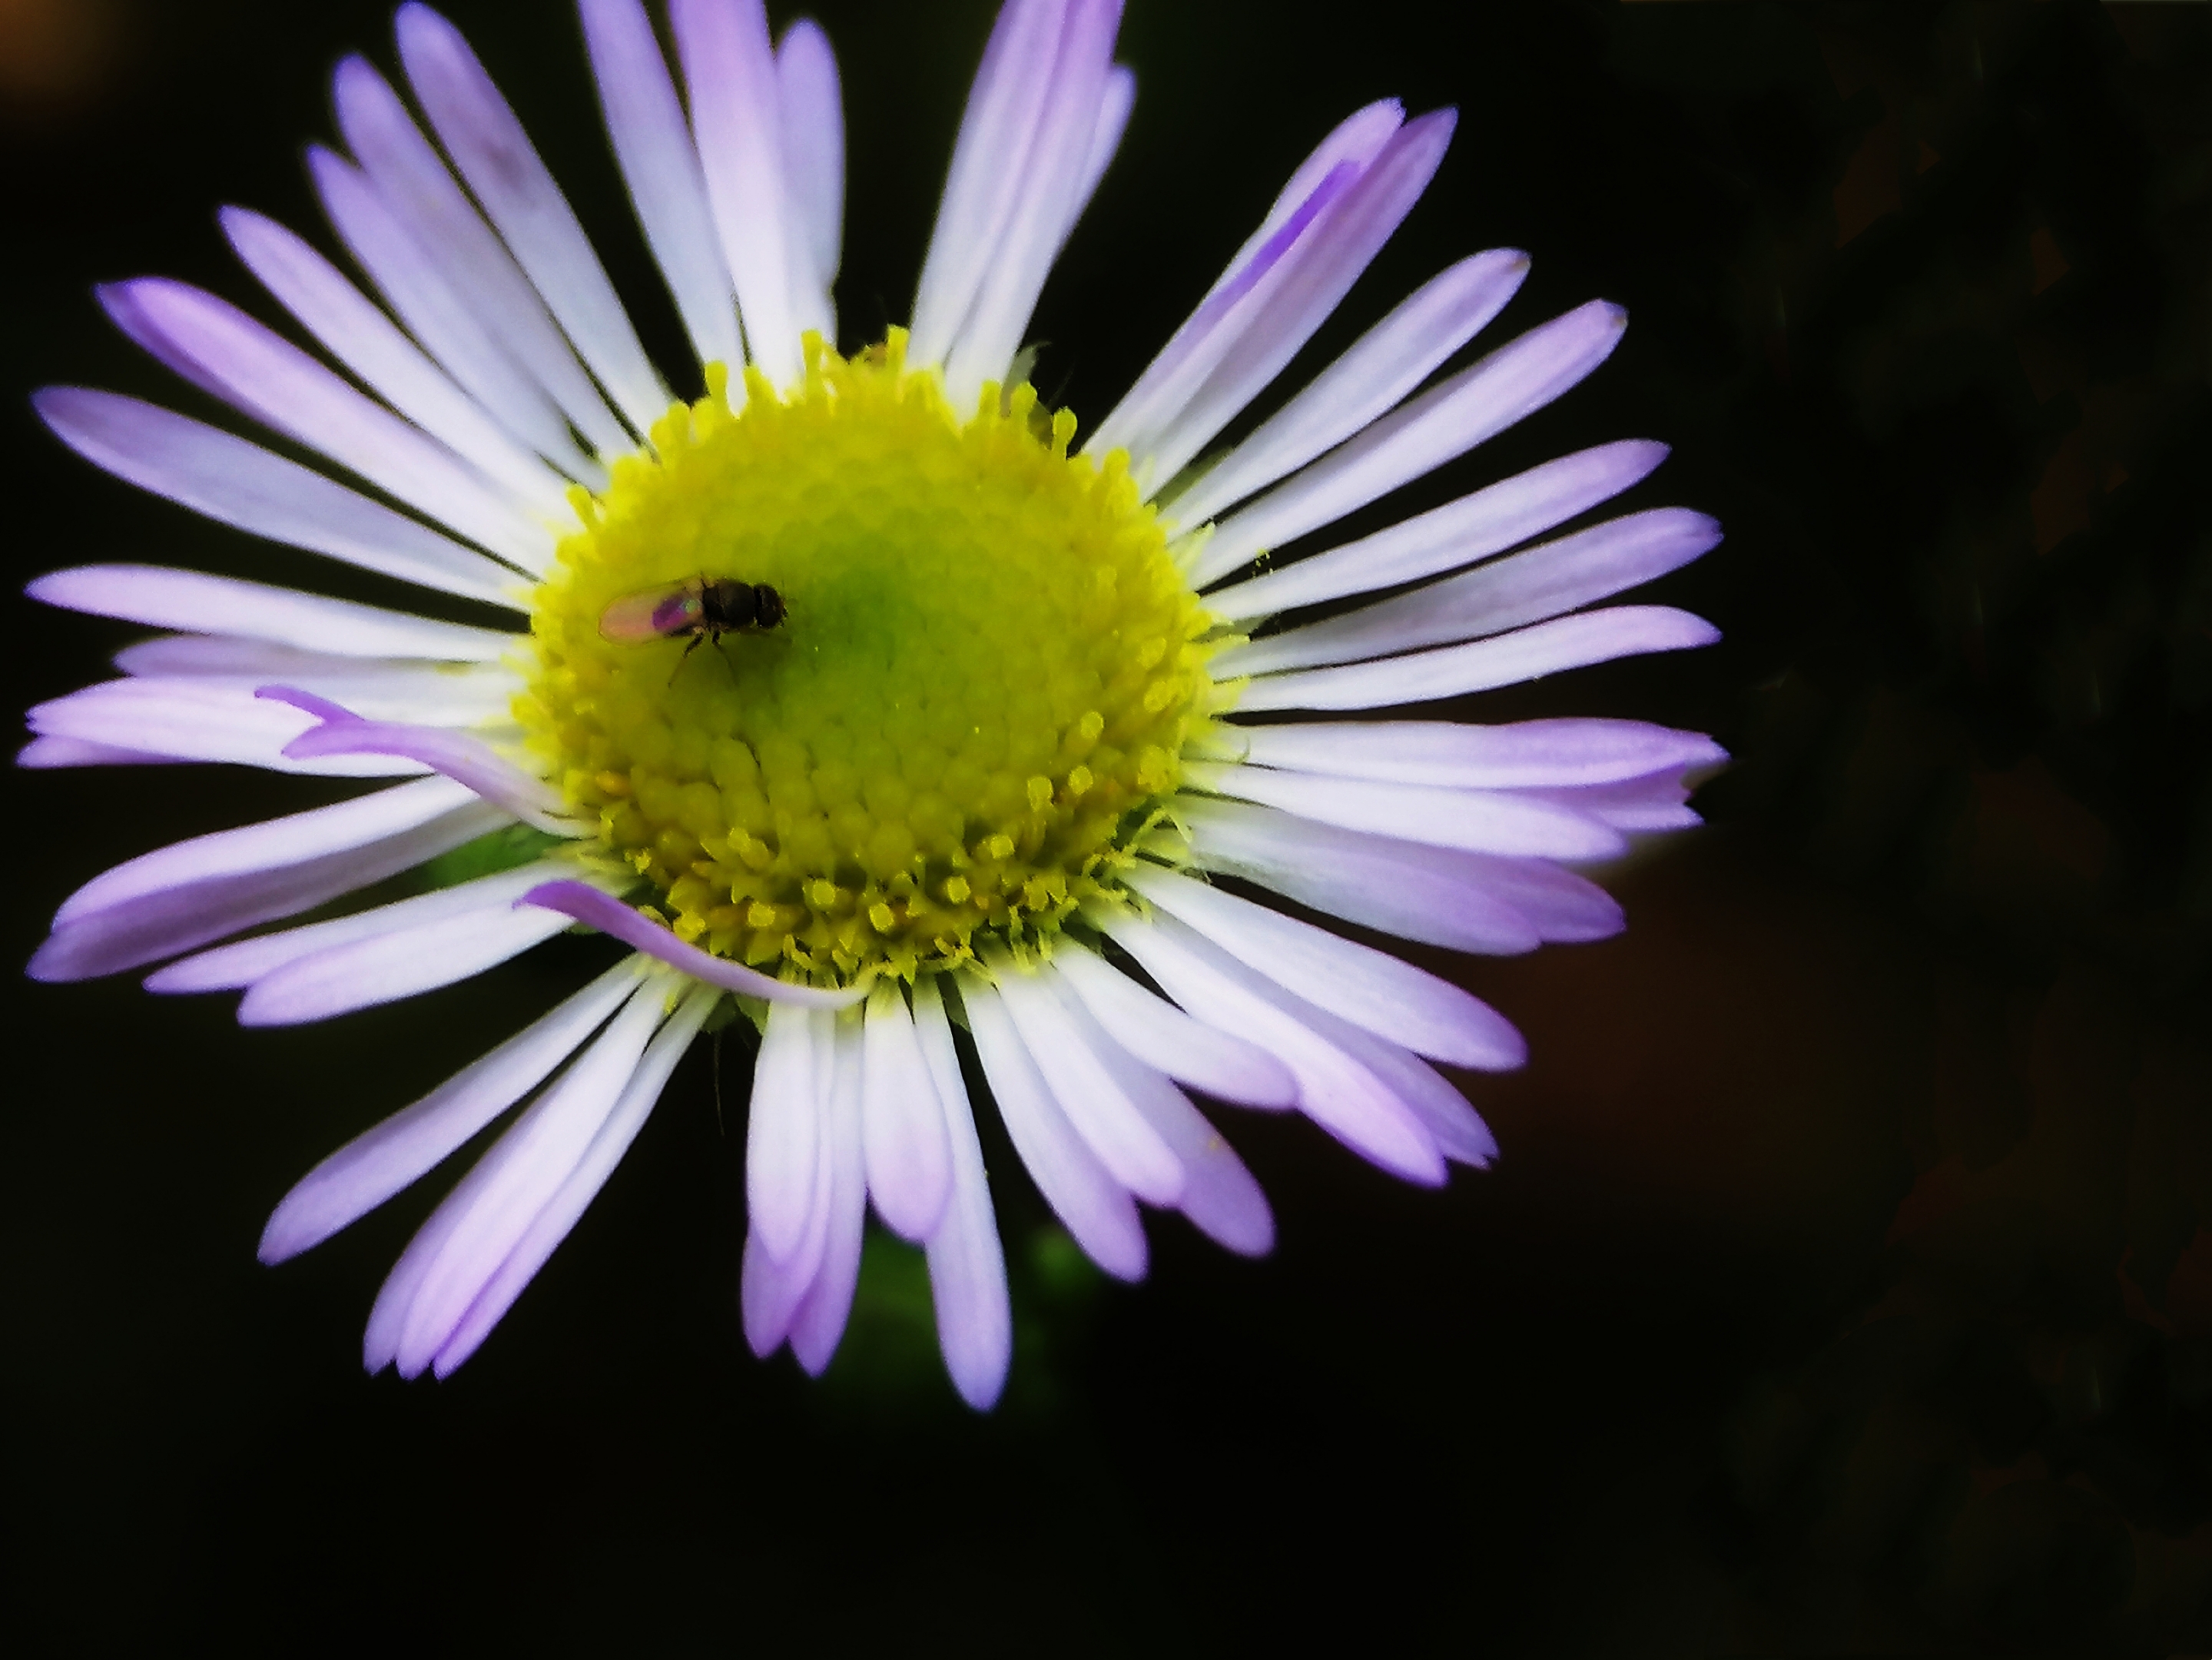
{"x": 624, "y": 922}
{"x": 459, "y": 756}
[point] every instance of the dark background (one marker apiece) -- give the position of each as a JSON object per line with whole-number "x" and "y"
{"x": 1841, "y": 1287}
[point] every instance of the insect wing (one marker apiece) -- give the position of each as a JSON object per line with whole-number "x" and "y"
{"x": 656, "y": 614}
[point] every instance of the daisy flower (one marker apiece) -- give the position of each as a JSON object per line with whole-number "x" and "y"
{"x": 856, "y": 699}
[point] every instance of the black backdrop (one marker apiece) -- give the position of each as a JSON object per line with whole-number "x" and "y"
{"x": 1840, "y": 1287}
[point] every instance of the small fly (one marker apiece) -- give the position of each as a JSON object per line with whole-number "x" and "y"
{"x": 706, "y": 608}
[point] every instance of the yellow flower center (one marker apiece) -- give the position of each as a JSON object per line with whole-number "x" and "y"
{"x": 976, "y": 698}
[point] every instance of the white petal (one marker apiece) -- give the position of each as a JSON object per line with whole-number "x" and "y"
{"x": 380, "y": 1162}
{"x": 1540, "y": 582}
{"x": 1133, "y": 1152}
{"x": 660, "y": 166}
{"x": 1528, "y": 754}
{"x": 281, "y": 386}
{"x": 193, "y": 721}
{"x": 187, "y": 600}
{"x": 770, "y": 1291}
{"x": 966, "y": 1268}
{"x": 361, "y": 336}
{"x": 1478, "y": 821}
{"x": 782, "y": 1129}
{"x": 729, "y": 69}
{"x": 987, "y": 165}
{"x": 1219, "y": 1193}
{"x": 496, "y": 1202}
{"x": 244, "y": 485}
{"x": 229, "y": 967}
{"x": 422, "y": 291}
{"x": 1314, "y": 279}
{"x": 271, "y": 845}
{"x": 1369, "y": 988}
{"x": 1448, "y": 421}
{"x": 1488, "y": 522}
{"x": 819, "y": 1321}
{"x": 369, "y": 972}
{"x": 1197, "y": 345}
{"x": 1096, "y": 1208}
{"x": 377, "y": 687}
{"x": 1053, "y": 174}
{"x": 566, "y": 1208}
{"x": 1166, "y": 1039}
{"x": 1395, "y": 886}
{"x": 471, "y": 264}
{"x": 813, "y": 115}
{"x": 488, "y": 144}
{"x": 909, "y": 1159}
{"x": 1380, "y": 371}
{"x": 1343, "y": 1097}
{"x": 1529, "y": 653}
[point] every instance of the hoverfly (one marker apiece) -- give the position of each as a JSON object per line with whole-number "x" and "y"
{"x": 706, "y": 608}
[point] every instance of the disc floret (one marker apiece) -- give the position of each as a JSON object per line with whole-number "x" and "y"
{"x": 978, "y": 697}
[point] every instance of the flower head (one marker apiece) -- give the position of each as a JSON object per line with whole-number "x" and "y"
{"x": 856, "y": 697}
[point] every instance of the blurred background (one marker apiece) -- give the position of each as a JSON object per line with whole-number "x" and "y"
{"x": 1844, "y": 1285}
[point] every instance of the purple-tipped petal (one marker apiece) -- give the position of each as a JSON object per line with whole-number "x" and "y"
{"x": 783, "y": 1129}
{"x": 1458, "y": 533}
{"x": 1477, "y": 403}
{"x": 1219, "y": 1193}
{"x": 1508, "y": 822}
{"x": 489, "y": 146}
{"x": 1096, "y": 1208}
{"x": 1398, "y": 887}
{"x": 967, "y": 1267}
{"x": 1447, "y": 754}
{"x": 1343, "y": 1097}
{"x": 193, "y": 720}
{"x": 566, "y": 1208}
{"x": 819, "y": 1323}
{"x": 1053, "y": 173}
{"x": 1134, "y": 1154}
{"x": 354, "y": 331}
{"x": 1507, "y": 659}
{"x": 364, "y": 973}
{"x": 380, "y": 1162}
{"x": 141, "y": 924}
{"x": 729, "y": 70}
{"x": 1371, "y": 989}
{"x": 985, "y": 176}
{"x": 496, "y": 1203}
{"x": 1381, "y": 370}
{"x": 1310, "y": 284}
{"x": 1530, "y": 586}
{"x": 241, "y": 484}
{"x": 227, "y": 352}
{"x": 813, "y": 114}
{"x": 196, "y": 602}
{"x": 660, "y": 165}
{"x": 480, "y": 287}
{"x": 772, "y": 1289}
{"x": 1164, "y": 1038}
